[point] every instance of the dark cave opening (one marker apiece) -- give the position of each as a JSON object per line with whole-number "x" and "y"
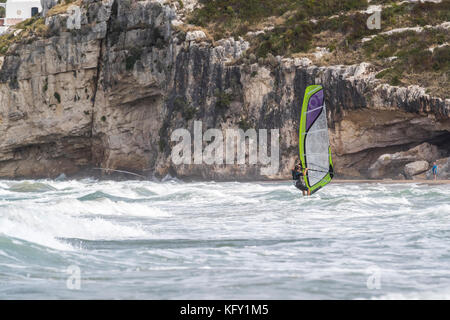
{"x": 361, "y": 161}
{"x": 443, "y": 143}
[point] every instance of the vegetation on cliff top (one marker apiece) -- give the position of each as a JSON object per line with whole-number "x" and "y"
{"x": 409, "y": 55}
{"x": 62, "y": 7}
{"x": 23, "y": 32}
{"x": 297, "y": 27}
{"x": 28, "y": 29}
{"x": 289, "y": 21}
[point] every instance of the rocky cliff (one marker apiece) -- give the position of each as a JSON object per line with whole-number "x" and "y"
{"x": 105, "y": 89}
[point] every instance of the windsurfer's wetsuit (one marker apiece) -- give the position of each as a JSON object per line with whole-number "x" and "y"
{"x": 300, "y": 180}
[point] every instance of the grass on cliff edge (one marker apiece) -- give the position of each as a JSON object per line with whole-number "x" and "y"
{"x": 62, "y": 7}
{"x": 289, "y": 20}
{"x": 297, "y": 27}
{"x": 410, "y": 58}
{"x": 293, "y": 26}
{"x": 33, "y": 27}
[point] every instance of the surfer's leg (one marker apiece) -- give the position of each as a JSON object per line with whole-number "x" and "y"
{"x": 309, "y": 192}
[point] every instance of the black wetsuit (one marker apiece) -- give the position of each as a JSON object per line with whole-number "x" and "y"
{"x": 300, "y": 183}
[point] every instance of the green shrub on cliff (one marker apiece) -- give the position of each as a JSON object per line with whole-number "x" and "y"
{"x": 181, "y": 105}
{"x": 134, "y": 54}
{"x": 45, "y": 86}
{"x": 57, "y": 97}
{"x": 244, "y": 124}
{"x": 189, "y": 112}
{"x": 283, "y": 40}
{"x": 5, "y": 41}
{"x": 441, "y": 59}
{"x": 223, "y": 99}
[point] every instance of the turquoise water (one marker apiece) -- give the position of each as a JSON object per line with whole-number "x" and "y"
{"x": 175, "y": 240}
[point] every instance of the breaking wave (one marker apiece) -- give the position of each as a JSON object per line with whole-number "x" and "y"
{"x": 237, "y": 240}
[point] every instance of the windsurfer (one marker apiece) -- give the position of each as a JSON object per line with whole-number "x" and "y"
{"x": 299, "y": 174}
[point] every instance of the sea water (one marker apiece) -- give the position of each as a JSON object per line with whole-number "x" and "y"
{"x": 90, "y": 239}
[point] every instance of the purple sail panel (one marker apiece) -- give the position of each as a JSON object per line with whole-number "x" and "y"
{"x": 315, "y": 102}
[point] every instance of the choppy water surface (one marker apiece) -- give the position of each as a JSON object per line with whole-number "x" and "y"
{"x": 175, "y": 240}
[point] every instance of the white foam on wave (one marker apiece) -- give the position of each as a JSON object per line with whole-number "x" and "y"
{"x": 107, "y": 207}
{"x": 112, "y": 188}
{"x": 199, "y": 193}
{"x": 3, "y": 185}
{"x": 44, "y": 218}
{"x": 441, "y": 209}
{"x": 21, "y": 230}
{"x": 52, "y": 215}
{"x": 45, "y": 225}
{"x": 386, "y": 200}
{"x": 220, "y": 197}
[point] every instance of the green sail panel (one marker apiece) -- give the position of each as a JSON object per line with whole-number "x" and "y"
{"x": 314, "y": 142}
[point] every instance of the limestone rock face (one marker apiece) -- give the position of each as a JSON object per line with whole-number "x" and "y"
{"x": 195, "y": 35}
{"x": 111, "y": 93}
{"x": 415, "y": 168}
{"x": 47, "y": 5}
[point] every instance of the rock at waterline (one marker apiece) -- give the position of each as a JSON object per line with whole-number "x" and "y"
{"x": 416, "y": 167}
{"x": 392, "y": 164}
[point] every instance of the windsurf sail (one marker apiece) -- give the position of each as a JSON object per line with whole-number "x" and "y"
{"x": 314, "y": 144}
